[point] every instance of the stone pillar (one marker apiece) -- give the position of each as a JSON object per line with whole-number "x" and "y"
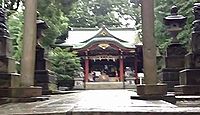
{"x": 29, "y": 43}
{"x": 189, "y": 78}
{"x": 86, "y": 69}
{"x": 28, "y": 54}
{"x": 121, "y": 69}
{"x": 149, "y": 48}
{"x": 150, "y": 88}
{"x": 174, "y": 58}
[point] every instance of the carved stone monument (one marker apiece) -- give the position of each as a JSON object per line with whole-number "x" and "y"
{"x": 43, "y": 76}
{"x": 190, "y": 77}
{"x": 174, "y": 58}
{"x": 8, "y": 76}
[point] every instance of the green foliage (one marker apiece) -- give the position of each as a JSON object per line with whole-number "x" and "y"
{"x": 15, "y": 22}
{"x": 51, "y": 12}
{"x": 66, "y": 65}
{"x": 64, "y": 62}
{"x": 93, "y": 13}
{"x": 15, "y": 27}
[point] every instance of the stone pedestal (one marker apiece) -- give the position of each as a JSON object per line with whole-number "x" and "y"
{"x": 170, "y": 77}
{"x": 79, "y": 83}
{"x": 21, "y": 94}
{"x": 187, "y": 90}
{"x": 45, "y": 79}
{"x": 190, "y": 77}
{"x": 174, "y": 62}
{"x": 189, "y": 82}
{"x": 43, "y": 76}
{"x": 8, "y": 80}
{"x": 151, "y": 91}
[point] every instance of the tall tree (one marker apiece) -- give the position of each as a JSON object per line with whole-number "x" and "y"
{"x": 92, "y": 13}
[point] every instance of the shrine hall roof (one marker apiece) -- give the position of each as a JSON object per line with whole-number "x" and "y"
{"x": 83, "y": 37}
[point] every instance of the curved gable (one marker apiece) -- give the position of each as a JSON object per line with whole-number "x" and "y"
{"x": 103, "y": 32}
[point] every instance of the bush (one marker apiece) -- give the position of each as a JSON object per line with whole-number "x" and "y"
{"x": 65, "y": 64}
{"x": 65, "y": 81}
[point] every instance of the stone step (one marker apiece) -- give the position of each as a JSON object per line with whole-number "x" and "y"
{"x": 103, "y": 85}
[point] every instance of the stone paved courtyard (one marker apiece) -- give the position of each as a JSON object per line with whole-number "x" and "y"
{"x": 97, "y": 102}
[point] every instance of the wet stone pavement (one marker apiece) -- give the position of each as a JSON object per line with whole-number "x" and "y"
{"x": 97, "y": 102}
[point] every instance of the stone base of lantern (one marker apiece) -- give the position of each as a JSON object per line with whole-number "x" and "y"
{"x": 9, "y": 80}
{"x": 170, "y": 77}
{"x": 189, "y": 82}
{"x": 187, "y": 90}
{"x": 47, "y": 80}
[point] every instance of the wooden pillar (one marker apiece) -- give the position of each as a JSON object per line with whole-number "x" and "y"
{"x": 121, "y": 69}
{"x": 86, "y": 69}
{"x": 29, "y": 44}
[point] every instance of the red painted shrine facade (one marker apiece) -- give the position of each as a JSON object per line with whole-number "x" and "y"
{"x": 107, "y": 51}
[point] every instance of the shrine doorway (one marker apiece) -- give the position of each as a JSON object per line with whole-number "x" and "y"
{"x": 109, "y": 68}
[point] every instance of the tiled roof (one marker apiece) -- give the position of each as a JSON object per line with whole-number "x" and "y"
{"x": 82, "y": 37}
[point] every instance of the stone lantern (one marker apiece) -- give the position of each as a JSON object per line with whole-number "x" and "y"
{"x": 189, "y": 77}
{"x": 9, "y": 79}
{"x": 174, "y": 23}
{"x": 174, "y": 57}
{"x": 43, "y": 76}
{"x": 41, "y": 26}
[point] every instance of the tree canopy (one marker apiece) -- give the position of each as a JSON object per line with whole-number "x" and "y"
{"x": 94, "y": 13}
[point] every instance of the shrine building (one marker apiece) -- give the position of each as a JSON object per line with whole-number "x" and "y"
{"x": 106, "y": 50}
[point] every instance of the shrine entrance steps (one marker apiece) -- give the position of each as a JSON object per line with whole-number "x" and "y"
{"x": 106, "y": 85}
